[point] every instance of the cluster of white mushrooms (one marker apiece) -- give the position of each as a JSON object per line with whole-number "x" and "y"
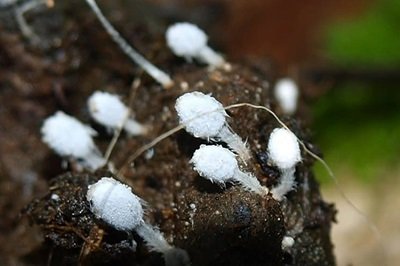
{"x": 202, "y": 116}
{"x": 70, "y": 138}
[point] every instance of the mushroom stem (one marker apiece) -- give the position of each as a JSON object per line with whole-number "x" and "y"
{"x": 153, "y": 238}
{"x": 285, "y": 185}
{"x": 23, "y": 25}
{"x": 133, "y": 128}
{"x": 250, "y": 182}
{"x": 210, "y": 57}
{"x": 94, "y": 160}
{"x": 234, "y": 142}
{"x": 160, "y": 76}
{"x": 156, "y": 242}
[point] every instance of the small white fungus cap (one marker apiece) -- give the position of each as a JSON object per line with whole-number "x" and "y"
{"x": 67, "y": 136}
{"x": 186, "y": 39}
{"x": 189, "y": 41}
{"x": 283, "y": 148}
{"x": 195, "y": 111}
{"x": 287, "y": 93}
{"x": 114, "y": 203}
{"x": 219, "y": 165}
{"x": 215, "y": 163}
{"x": 287, "y": 242}
{"x": 108, "y": 110}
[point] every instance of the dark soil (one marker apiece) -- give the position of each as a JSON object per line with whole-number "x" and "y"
{"x": 216, "y": 226}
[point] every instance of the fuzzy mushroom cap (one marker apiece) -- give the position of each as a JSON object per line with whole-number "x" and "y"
{"x": 67, "y": 136}
{"x": 286, "y": 92}
{"x": 107, "y": 109}
{"x": 283, "y": 148}
{"x": 186, "y": 39}
{"x": 114, "y": 203}
{"x": 215, "y": 163}
{"x": 194, "y": 104}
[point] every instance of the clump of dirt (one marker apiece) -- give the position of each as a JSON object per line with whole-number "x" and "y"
{"x": 64, "y": 217}
{"x": 216, "y": 226}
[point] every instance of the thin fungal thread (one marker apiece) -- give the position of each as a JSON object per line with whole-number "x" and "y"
{"x": 160, "y": 76}
{"x": 172, "y": 131}
{"x": 117, "y": 133}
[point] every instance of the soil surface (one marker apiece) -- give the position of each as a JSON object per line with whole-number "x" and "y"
{"x": 45, "y": 218}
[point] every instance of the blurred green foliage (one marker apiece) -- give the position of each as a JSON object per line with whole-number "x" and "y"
{"x": 357, "y": 125}
{"x": 358, "y": 129}
{"x": 372, "y": 39}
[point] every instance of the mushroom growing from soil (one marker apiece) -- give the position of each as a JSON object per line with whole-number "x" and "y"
{"x": 68, "y": 137}
{"x": 116, "y": 204}
{"x": 219, "y": 165}
{"x": 189, "y": 41}
{"x": 204, "y": 117}
{"x": 284, "y": 153}
{"x": 108, "y": 110}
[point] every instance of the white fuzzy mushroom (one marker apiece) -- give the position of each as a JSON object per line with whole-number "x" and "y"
{"x": 108, "y": 198}
{"x": 108, "y": 110}
{"x": 219, "y": 165}
{"x": 204, "y": 117}
{"x": 286, "y": 93}
{"x": 70, "y": 138}
{"x": 284, "y": 153}
{"x": 189, "y": 41}
{"x": 116, "y": 204}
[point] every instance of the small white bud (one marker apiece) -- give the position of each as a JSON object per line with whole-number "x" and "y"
{"x": 287, "y": 93}
{"x": 287, "y": 242}
{"x": 189, "y": 41}
{"x": 283, "y": 148}
{"x": 114, "y": 203}
{"x": 204, "y": 117}
{"x": 219, "y": 165}
{"x": 284, "y": 153}
{"x": 69, "y": 137}
{"x": 108, "y": 110}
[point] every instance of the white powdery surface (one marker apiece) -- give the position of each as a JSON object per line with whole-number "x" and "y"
{"x": 207, "y": 122}
{"x": 283, "y": 148}
{"x": 286, "y": 93}
{"x": 114, "y": 203}
{"x": 186, "y": 39}
{"x": 215, "y": 163}
{"x": 68, "y": 136}
{"x": 107, "y": 109}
